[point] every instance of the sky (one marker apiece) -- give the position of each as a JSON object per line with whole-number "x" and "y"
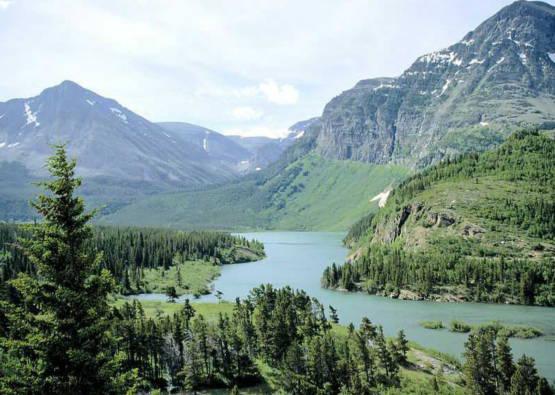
{"x": 237, "y": 67}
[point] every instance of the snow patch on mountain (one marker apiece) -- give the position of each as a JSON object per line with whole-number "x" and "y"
{"x": 443, "y": 56}
{"x": 91, "y": 102}
{"x": 382, "y": 86}
{"x": 30, "y": 115}
{"x": 117, "y": 112}
{"x": 551, "y": 56}
{"x": 445, "y": 87}
{"x": 381, "y": 197}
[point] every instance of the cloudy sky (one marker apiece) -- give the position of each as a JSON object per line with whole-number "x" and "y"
{"x": 239, "y": 67}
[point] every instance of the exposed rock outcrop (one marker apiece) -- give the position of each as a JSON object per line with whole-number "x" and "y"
{"x": 468, "y": 96}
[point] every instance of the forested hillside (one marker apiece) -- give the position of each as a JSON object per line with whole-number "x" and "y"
{"x": 480, "y": 228}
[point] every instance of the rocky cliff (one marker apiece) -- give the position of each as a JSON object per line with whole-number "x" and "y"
{"x": 468, "y": 96}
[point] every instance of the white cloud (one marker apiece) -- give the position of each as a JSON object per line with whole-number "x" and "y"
{"x": 4, "y": 4}
{"x": 245, "y": 113}
{"x": 279, "y": 94}
{"x": 270, "y": 90}
{"x": 247, "y": 91}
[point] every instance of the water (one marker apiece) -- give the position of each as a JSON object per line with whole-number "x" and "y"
{"x": 298, "y": 259}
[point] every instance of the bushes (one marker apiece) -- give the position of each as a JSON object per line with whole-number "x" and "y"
{"x": 459, "y": 326}
{"x": 518, "y": 331}
{"x": 432, "y": 324}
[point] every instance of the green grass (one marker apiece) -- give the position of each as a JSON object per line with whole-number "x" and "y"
{"x": 309, "y": 194}
{"x": 331, "y": 195}
{"x": 190, "y": 277}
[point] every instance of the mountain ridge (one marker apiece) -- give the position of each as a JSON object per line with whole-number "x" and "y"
{"x": 499, "y": 77}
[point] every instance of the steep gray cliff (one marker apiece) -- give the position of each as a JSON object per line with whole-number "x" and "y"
{"x": 468, "y": 96}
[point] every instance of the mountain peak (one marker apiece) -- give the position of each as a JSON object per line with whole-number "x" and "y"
{"x": 532, "y": 21}
{"x": 499, "y": 77}
{"x": 68, "y": 87}
{"x": 528, "y": 6}
{"x": 69, "y": 84}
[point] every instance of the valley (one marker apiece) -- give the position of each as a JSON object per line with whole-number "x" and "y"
{"x": 400, "y": 242}
{"x": 308, "y": 194}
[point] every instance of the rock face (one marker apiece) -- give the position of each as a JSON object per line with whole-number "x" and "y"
{"x": 468, "y": 96}
{"x": 391, "y": 229}
{"x": 108, "y": 139}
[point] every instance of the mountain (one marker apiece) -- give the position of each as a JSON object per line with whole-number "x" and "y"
{"x": 218, "y": 147}
{"x": 109, "y": 140}
{"x": 121, "y": 155}
{"x": 469, "y": 96}
{"x": 265, "y": 151}
{"x": 478, "y": 228}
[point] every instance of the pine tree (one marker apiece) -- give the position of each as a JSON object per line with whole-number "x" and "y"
{"x": 401, "y": 347}
{"x": 171, "y": 293}
{"x": 479, "y": 367}
{"x": 188, "y": 313}
{"x": 544, "y": 388}
{"x": 334, "y": 317}
{"x": 525, "y": 379}
{"x": 65, "y": 306}
{"x": 505, "y": 365}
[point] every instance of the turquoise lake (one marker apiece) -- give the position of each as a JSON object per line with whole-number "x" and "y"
{"x": 297, "y": 259}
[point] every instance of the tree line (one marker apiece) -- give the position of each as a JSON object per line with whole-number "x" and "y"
{"x": 526, "y": 158}
{"x": 284, "y": 330}
{"x": 126, "y": 252}
{"x": 386, "y": 270}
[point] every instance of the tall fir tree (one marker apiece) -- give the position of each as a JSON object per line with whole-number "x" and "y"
{"x": 59, "y": 326}
{"x": 505, "y": 365}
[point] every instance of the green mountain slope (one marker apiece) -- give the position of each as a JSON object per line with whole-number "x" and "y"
{"x": 309, "y": 193}
{"x": 479, "y": 228}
